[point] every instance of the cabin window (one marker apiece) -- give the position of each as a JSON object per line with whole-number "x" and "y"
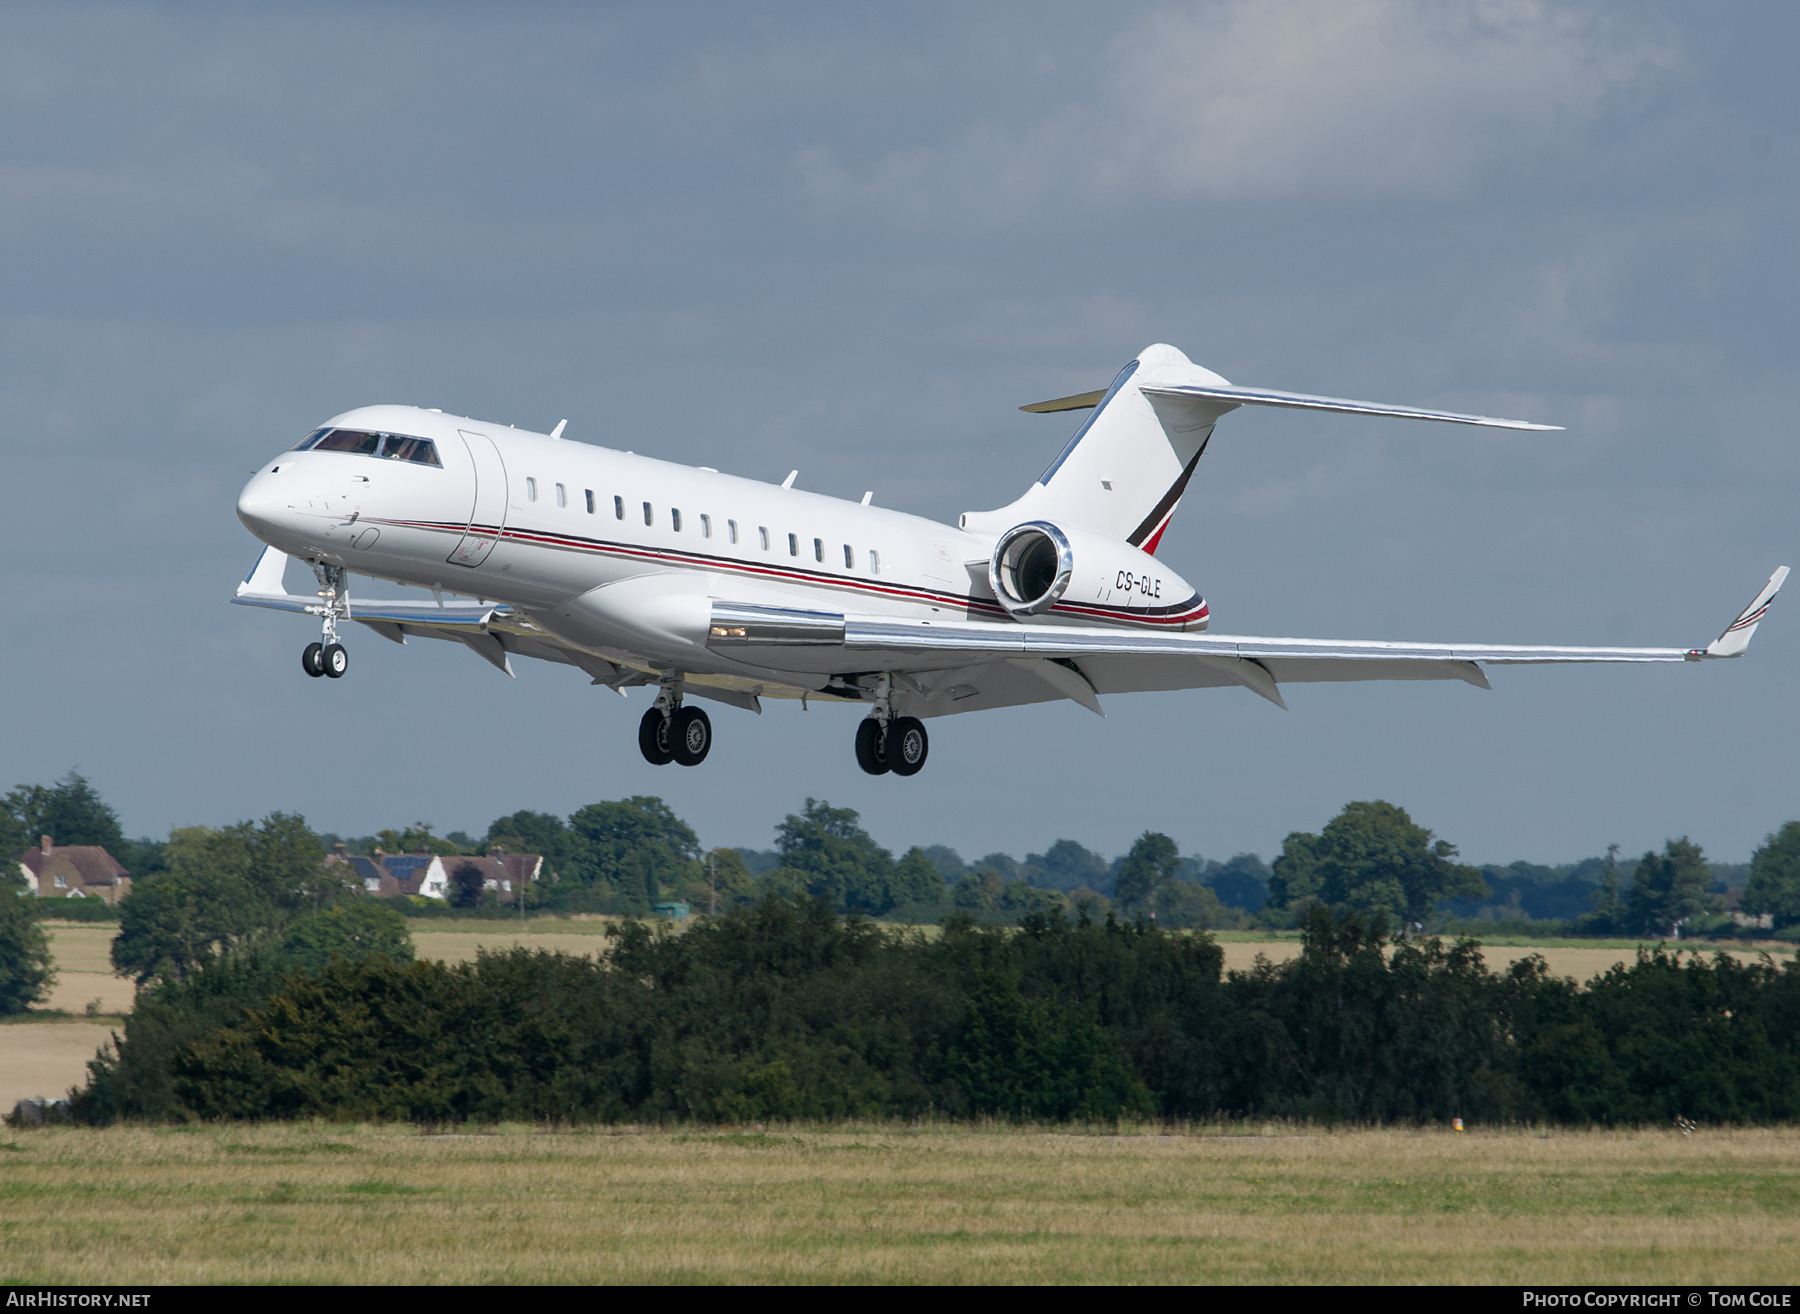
{"x": 764, "y": 531}
{"x": 705, "y": 525}
{"x": 849, "y": 557}
{"x": 562, "y": 495}
{"x": 530, "y": 489}
{"x": 731, "y": 529}
{"x": 874, "y": 562}
{"x": 793, "y": 545}
{"x": 618, "y": 508}
{"x": 310, "y": 439}
{"x": 675, "y": 518}
{"x": 649, "y": 515}
{"x": 590, "y": 500}
{"x": 819, "y": 549}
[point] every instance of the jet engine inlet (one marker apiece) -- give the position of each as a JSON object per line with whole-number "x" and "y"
{"x": 1031, "y": 567}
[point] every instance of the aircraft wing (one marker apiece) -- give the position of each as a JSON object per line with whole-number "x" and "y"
{"x": 958, "y": 666}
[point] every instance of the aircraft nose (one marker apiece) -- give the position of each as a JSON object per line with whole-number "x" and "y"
{"x": 263, "y": 505}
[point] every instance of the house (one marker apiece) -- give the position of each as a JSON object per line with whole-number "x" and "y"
{"x": 431, "y": 874}
{"x": 1734, "y": 900}
{"x": 75, "y": 871}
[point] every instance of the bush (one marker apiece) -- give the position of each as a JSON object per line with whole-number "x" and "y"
{"x": 786, "y": 1010}
{"x": 76, "y": 910}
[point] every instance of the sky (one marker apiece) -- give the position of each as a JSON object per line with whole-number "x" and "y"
{"x": 853, "y": 240}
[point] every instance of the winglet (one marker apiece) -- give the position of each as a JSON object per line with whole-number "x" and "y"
{"x": 265, "y": 575}
{"x": 1737, "y": 634}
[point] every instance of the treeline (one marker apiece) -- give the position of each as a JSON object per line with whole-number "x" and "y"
{"x": 788, "y": 1010}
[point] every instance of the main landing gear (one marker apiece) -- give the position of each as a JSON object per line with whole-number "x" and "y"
{"x": 885, "y": 742}
{"x": 327, "y": 657}
{"x": 670, "y": 732}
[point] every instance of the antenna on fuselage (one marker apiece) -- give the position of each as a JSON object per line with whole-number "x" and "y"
{"x": 789, "y": 481}
{"x": 560, "y": 426}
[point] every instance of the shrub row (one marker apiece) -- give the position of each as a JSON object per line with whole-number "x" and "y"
{"x": 785, "y": 1010}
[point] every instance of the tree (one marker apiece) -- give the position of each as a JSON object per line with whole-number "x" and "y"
{"x": 633, "y": 847}
{"x": 533, "y": 832}
{"x": 1295, "y": 876}
{"x": 25, "y": 965}
{"x": 1241, "y": 883}
{"x": 916, "y": 879}
{"x": 836, "y": 858}
{"x": 351, "y": 931}
{"x": 1372, "y": 858}
{"x": 1150, "y": 866}
{"x": 1668, "y": 888}
{"x": 225, "y": 890}
{"x": 1774, "y": 885}
{"x": 1066, "y": 866}
{"x": 467, "y": 881}
{"x": 415, "y": 837}
{"x": 70, "y": 812}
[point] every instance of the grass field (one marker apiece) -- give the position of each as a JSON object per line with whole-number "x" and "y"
{"x": 324, "y": 1203}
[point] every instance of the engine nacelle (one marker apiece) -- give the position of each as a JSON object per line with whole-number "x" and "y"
{"x": 1043, "y": 569}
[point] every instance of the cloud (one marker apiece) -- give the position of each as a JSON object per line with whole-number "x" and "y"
{"x": 1260, "y": 100}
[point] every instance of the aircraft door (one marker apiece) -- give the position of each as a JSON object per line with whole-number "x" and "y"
{"x": 487, "y": 517}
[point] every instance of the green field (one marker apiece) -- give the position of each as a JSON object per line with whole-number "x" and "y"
{"x": 334, "y": 1203}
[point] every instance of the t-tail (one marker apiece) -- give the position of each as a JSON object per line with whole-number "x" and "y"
{"x": 1124, "y": 471}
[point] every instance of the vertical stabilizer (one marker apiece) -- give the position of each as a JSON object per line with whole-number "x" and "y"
{"x": 1123, "y": 472}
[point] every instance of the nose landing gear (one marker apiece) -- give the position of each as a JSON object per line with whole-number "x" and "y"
{"x": 328, "y": 657}
{"x": 670, "y": 732}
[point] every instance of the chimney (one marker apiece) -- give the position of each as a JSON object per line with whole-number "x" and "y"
{"x": 496, "y": 852}
{"x": 44, "y": 841}
{"x": 341, "y": 849}
{"x": 422, "y": 852}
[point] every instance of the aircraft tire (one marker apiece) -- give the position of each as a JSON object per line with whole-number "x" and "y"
{"x": 334, "y": 660}
{"x": 690, "y": 734}
{"x": 868, "y": 747}
{"x": 654, "y": 737}
{"x": 309, "y": 660}
{"x": 907, "y": 745}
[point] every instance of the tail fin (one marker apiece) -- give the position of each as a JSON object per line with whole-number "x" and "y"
{"x": 1124, "y": 471}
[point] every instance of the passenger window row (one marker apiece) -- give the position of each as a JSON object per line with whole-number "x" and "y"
{"x": 706, "y": 526}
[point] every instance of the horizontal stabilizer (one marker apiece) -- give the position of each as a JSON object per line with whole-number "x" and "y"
{"x": 1300, "y": 401}
{"x": 1737, "y": 634}
{"x": 1081, "y": 401}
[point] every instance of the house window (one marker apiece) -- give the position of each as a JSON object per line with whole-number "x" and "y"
{"x": 62, "y": 882}
{"x": 562, "y": 495}
{"x": 675, "y": 518}
{"x": 618, "y": 508}
{"x": 793, "y": 545}
{"x": 530, "y": 489}
{"x": 874, "y": 562}
{"x": 731, "y": 529}
{"x": 818, "y": 549}
{"x": 849, "y": 557}
{"x": 705, "y": 526}
{"x": 649, "y": 515}
{"x": 590, "y": 501}
{"x": 764, "y": 531}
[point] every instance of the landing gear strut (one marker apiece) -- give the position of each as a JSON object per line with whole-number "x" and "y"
{"x": 327, "y": 657}
{"x": 670, "y": 732}
{"x": 885, "y": 742}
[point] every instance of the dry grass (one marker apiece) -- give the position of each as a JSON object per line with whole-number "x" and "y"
{"x": 83, "y": 954}
{"x": 44, "y": 1059}
{"x": 328, "y": 1203}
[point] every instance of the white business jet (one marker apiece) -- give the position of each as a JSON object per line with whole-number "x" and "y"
{"x": 708, "y": 586}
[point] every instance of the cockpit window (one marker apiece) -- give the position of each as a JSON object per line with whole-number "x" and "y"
{"x": 348, "y": 440}
{"x": 394, "y": 446}
{"x": 420, "y": 451}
